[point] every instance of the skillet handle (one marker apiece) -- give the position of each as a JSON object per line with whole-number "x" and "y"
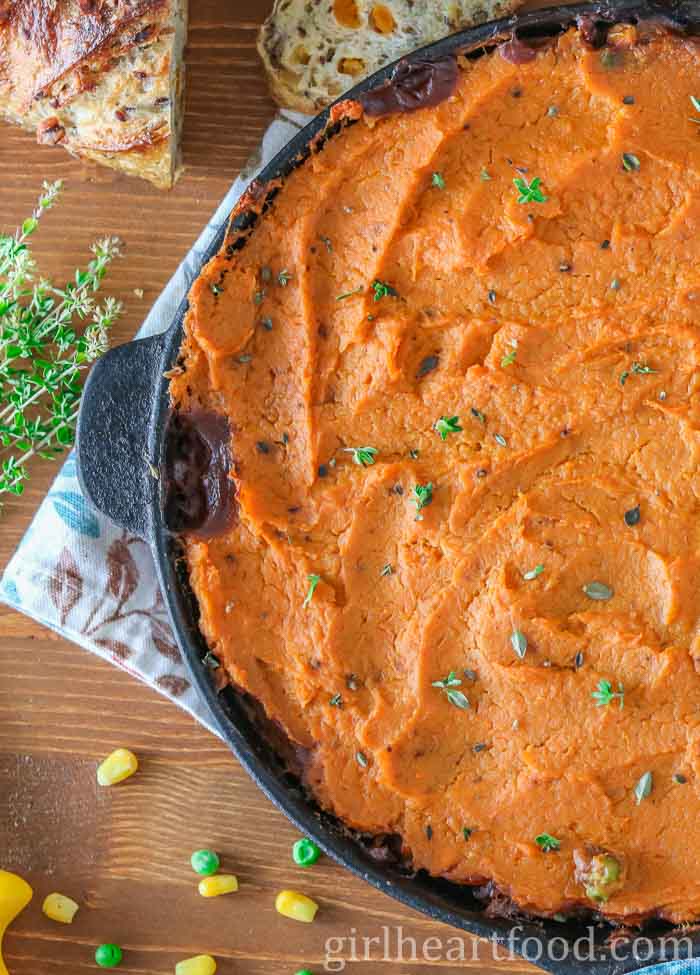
{"x": 115, "y": 467}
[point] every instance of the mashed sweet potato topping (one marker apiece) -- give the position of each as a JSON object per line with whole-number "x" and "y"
{"x": 459, "y": 356}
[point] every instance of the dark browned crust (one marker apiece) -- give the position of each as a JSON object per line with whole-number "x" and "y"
{"x": 68, "y": 34}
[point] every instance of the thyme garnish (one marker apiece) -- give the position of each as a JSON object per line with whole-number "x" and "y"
{"x": 42, "y": 353}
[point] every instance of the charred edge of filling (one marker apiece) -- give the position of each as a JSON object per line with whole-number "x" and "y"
{"x": 296, "y": 762}
{"x": 415, "y": 84}
{"x": 200, "y": 495}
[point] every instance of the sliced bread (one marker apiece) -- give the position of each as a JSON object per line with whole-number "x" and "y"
{"x": 101, "y": 78}
{"x": 314, "y": 50}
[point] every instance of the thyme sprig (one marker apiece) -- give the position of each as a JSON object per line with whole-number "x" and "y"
{"x": 43, "y": 351}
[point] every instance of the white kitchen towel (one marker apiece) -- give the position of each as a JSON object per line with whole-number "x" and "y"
{"x": 93, "y": 583}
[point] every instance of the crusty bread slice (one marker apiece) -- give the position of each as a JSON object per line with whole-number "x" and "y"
{"x": 314, "y": 51}
{"x": 102, "y": 78}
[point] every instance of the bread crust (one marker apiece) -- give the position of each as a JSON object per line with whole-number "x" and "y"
{"x": 102, "y": 78}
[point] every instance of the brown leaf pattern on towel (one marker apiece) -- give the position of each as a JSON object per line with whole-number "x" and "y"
{"x": 65, "y": 585}
{"x": 126, "y": 602}
{"x": 172, "y": 684}
{"x": 165, "y": 647}
{"x": 117, "y": 648}
{"x": 123, "y": 572}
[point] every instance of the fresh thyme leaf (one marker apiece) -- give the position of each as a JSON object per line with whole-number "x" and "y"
{"x": 383, "y": 290}
{"x": 529, "y": 192}
{"x": 518, "y": 641}
{"x": 466, "y": 832}
{"x": 478, "y": 415}
{"x": 336, "y": 701}
{"x": 642, "y": 789}
{"x": 695, "y": 103}
{"x": 598, "y": 591}
{"x": 509, "y": 358}
{"x": 637, "y": 369}
{"x": 438, "y": 181}
{"x": 349, "y": 294}
{"x": 679, "y": 779}
{"x": 266, "y": 324}
{"x": 361, "y": 759}
{"x": 605, "y": 694}
{"x": 632, "y": 516}
{"x": 492, "y": 297}
{"x": 259, "y": 297}
{"x": 500, "y": 440}
{"x": 547, "y": 843}
{"x": 387, "y": 570}
{"x": 283, "y": 278}
{"x": 422, "y": 497}
{"x": 552, "y": 111}
{"x": 630, "y": 162}
{"x": 362, "y": 456}
{"x": 313, "y": 582}
{"x": 326, "y": 241}
{"x": 484, "y": 176}
{"x": 414, "y": 454}
{"x": 216, "y": 289}
{"x": 447, "y": 684}
{"x": 452, "y": 680}
{"x": 446, "y": 425}
{"x": 533, "y": 573}
{"x": 42, "y": 350}
{"x": 458, "y": 699}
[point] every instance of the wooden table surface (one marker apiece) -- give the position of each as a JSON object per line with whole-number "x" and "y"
{"x": 123, "y": 853}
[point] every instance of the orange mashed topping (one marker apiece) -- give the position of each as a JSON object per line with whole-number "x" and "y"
{"x": 420, "y": 618}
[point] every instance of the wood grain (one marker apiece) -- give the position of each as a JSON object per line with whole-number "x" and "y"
{"x": 123, "y": 853}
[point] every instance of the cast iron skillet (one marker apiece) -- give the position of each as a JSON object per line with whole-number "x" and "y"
{"x": 120, "y": 443}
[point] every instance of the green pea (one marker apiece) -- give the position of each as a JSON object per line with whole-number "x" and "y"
{"x": 305, "y": 853}
{"x": 205, "y": 862}
{"x": 108, "y": 956}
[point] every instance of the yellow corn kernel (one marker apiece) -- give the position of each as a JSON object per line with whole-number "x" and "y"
{"x": 199, "y": 965}
{"x": 15, "y": 894}
{"x": 297, "y": 906}
{"x": 116, "y": 767}
{"x": 220, "y": 883}
{"x": 60, "y": 908}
